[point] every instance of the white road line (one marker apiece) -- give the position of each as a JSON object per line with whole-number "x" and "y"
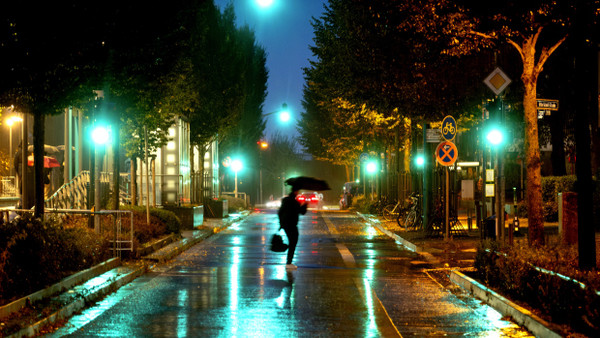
{"x": 373, "y": 303}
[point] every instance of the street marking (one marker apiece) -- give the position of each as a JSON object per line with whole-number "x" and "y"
{"x": 346, "y": 254}
{"x": 376, "y": 310}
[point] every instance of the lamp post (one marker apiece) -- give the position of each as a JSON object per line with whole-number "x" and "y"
{"x": 264, "y": 145}
{"x": 236, "y": 165}
{"x": 371, "y": 169}
{"x": 9, "y": 122}
{"x": 100, "y": 137}
{"x": 495, "y": 137}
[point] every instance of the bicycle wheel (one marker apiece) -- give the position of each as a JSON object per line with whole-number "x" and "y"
{"x": 388, "y": 212}
{"x": 401, "y": 218}
{"x": 409, "y": 223}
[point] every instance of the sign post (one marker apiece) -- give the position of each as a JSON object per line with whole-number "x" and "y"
{"x": 446, "y": 155}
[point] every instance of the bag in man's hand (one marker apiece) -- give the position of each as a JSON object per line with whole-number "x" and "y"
{"x": 277, "y": 244}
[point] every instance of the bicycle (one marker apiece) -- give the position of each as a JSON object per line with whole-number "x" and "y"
{"x": 413, "y": 219}
{"x": 392, "y": 211}
{"x": 448, "y": 128}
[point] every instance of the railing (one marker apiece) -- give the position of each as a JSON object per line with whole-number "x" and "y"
{"x": 117, "y": 242}
{"x": 74, "y": 194}
{"x": 8, "y": 186}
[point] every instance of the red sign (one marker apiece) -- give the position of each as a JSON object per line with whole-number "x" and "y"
{"x": 446, "y": 153}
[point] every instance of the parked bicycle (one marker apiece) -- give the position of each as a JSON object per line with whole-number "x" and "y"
{"x": 413, "y": 219}
{"x": 391, "y": 212}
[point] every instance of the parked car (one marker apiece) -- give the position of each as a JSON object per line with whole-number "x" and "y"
{"x": 314, "y": 199}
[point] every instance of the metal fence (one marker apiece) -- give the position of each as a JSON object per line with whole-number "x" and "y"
{"x": 8, "y": 187}
{"x": 118, "y": 244}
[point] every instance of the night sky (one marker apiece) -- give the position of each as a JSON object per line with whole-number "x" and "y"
{"x": 285, "y": 32}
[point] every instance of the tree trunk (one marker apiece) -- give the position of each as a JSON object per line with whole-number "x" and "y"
{"x": 38, "y": 160}
{"x": 532, "y": 151}
{"x": 586, "y": 102}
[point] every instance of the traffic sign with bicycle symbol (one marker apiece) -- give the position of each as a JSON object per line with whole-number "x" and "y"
{"x": 448, "y": 128}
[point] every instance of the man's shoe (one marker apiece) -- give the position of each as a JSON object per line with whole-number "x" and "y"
{"x": 290, "y": 267}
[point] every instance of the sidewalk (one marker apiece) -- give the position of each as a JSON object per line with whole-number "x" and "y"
{"x": 29, "y": 315}
{"x": 449, "y": 257}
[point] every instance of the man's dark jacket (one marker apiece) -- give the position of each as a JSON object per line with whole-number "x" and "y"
{"x": 289, "y": 211}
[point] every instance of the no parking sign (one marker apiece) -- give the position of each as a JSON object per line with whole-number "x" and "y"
{"x": 446, "y": 153}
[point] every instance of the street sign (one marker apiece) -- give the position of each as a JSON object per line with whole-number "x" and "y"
{"x": 448, "y": 128}
{"x": 433, "y": 136}
{"x": 497, "y": 81}
{"x": 543, "y": 104}
{"x": 446, "y": 153}
{"x": 542, "y": 113}
{"x": 363, "y": 157}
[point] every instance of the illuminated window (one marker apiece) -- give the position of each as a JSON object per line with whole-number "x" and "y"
{"x": 171, "y": 158}
{"x": 171, "y": 145}
{"x": 170, "y": 171}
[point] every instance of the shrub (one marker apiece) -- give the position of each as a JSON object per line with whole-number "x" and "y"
{"x": 512, "y": 271}
{"x": 363, "y": 204}
{"x": 169, "y": 222}
{"x": 35, "y": 254}
{"x": 235, "y": 204}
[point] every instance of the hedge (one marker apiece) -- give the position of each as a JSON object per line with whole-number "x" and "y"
{"x": 537, "y": 277}
{"x": 35, "y": 254}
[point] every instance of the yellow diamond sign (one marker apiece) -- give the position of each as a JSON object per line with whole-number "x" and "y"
{"x": 497, "y": 81}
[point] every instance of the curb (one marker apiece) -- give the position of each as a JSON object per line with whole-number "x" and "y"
{"x": 408, "y": 245}
{"x": 109, "y": 286}
{"x": 172, "y": 250}
{"x": 66, "y": 283}
{"x": 520, "y": 315}
{"x": 80, "y": 303}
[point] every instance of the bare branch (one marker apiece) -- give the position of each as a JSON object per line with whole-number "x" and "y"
{"x": 518, "y": 48}
{"x": 546, "y": 52}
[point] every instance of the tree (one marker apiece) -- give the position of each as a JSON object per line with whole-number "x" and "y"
{"x": 38, "y": 82}
{"x": 521, "y": 24}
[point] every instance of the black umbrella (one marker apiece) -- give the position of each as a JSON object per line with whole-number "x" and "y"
{"x": 307, "y": 183}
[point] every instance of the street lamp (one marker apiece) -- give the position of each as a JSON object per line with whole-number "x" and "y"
{"x": 9, "y": 122}
{"x": 264, "y": 145}
{"x": 495, "y": 137}
{"x": 236, "y": 165}
{"x": 284, "y": 113}
{"x": 371, "y": 169}
{"x": 264, "y": 3}
{"x": 100, "y": 136}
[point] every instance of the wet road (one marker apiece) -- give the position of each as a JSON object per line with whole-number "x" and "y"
{"x": 351, "y": 281}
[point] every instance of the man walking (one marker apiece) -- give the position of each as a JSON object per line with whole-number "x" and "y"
{"x": 288, "y": 219}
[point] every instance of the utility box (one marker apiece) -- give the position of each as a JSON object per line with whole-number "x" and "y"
{"x": 567, "y": 217}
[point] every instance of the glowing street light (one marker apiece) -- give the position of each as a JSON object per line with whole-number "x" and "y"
{"x": 495, "y": 137}
{"x": 371, "y": 167}
{"x": 284, "y": 113}
{"x": 420, "y": 161}
{"x": 100, "y": 136}
{"x": 264, "y": 3}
